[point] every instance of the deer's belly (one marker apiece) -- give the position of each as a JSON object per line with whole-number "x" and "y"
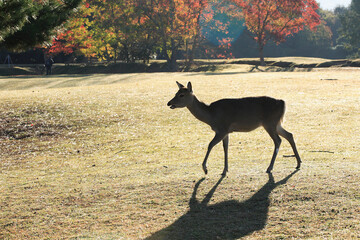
{"x": 241, "y": 127}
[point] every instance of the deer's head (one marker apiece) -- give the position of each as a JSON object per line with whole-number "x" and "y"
{"x": 183, "y": 97}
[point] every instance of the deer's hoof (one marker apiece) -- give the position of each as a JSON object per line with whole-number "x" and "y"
{"x": 205, "y": 169}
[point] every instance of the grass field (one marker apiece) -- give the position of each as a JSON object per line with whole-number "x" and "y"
{"x": 103, "y": 157}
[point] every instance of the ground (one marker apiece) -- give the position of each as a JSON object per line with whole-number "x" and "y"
{"x": 102, "y": 157}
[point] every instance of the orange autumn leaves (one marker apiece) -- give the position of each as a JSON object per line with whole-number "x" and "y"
{"x": 128, "y": 28}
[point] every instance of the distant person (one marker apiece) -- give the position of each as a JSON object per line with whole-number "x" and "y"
{"x": 48, "y": 65}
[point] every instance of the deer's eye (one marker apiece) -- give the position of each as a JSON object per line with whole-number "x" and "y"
{"x": 182, "y": 95}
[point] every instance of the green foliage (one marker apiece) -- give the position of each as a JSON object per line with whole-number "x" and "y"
{"x": 28, "y": 24}
{"x": 13, "y": 15}
{"x": 350, "y": 31}
{"x": 332, "y": 20}
{"x": 313, "y": 43}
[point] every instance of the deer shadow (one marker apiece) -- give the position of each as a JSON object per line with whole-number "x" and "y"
{"x": 225, "y": 220}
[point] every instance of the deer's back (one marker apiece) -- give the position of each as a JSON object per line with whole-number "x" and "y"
{"x": 246, "y": 114}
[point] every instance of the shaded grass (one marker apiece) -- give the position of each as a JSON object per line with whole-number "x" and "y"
{"x": 199, "y": 65}
{"x": 106, "y": 159}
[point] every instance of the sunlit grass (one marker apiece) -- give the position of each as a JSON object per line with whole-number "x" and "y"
{"x": 103, "y": 157}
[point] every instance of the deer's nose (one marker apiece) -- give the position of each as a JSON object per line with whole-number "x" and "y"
{"x": 169, "y": 103}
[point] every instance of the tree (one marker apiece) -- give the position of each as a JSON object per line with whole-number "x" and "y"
{"x": 13, "y": 16}
{"x": 108, "y": 30}
{"x": 332, "y": 20}
{"x": 350, "y": 30}
{"x": 27, "y": 23}
{"x": 116, "y": 28}
{"x": 277, "y": 19}
{"x": 75, "y": 35}
{"x": 221, "y": 24}
{"x": 175, "y": 23}
{"x": 309, "y": 43}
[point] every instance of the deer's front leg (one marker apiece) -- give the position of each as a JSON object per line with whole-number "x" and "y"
{"x": 218, "y": 137}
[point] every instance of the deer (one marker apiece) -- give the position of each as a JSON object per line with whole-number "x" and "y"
{"x": 237, "y": 115}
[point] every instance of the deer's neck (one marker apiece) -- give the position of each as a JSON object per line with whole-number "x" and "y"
{"x": 200, "y": 110}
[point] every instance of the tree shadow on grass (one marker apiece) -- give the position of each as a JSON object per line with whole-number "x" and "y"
{"x": 225, "y": 220}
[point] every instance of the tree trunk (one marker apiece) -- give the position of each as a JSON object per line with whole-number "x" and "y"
{"x": 173, "y": 59}
{"x": 192, "y": 50}
{"x": 173, "y": 63}
{"x": 261, "y": 54}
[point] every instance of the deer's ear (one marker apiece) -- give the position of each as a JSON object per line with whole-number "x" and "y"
{"x": 189, "y": 87}
{"x": 179, "y": 85}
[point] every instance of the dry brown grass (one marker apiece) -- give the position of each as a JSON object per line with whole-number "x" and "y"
{"x": 103, "y": 157}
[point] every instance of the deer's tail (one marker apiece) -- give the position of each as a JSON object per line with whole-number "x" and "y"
{"x": 282, "y": 108}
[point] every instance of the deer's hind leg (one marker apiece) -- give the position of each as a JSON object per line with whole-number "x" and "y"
{"x": 277, "y": 142}
{"x": 226, "y": 146}
{"x": 289, "y": 137}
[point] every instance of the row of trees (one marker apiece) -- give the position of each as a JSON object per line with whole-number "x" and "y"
{"x": 130, "y": 30}
{"x": 171, "y": 29}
